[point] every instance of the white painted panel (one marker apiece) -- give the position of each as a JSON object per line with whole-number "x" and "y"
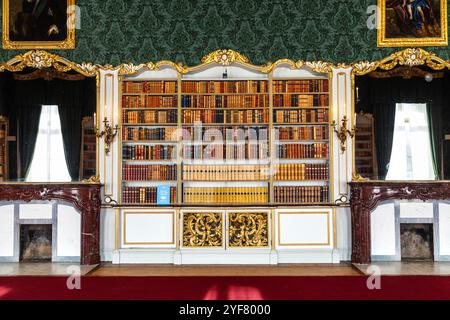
{"x": 344, "y": 233}
{"x": 444, "y": 229}
{"x": 382, "y": 224}
{"x": 35, "y": 211}
{"x": 107, "y": 234}
{"x": 69, "y": 232}
{"x": 7, "y": 231}
{"x": 303, "y": 229}
{"x": 285, "y": 71}
{"x": 163, "y": 73}
{"x": 416, "y": 210}
{"x": 234, "y": 72}
{"x": 149, "y": 228}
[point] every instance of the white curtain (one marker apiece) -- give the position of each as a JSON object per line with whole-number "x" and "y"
{"x": 49, "y": 163}
{"x": 411, "y": 157}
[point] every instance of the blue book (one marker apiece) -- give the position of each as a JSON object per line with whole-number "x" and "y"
{"x": 163, "y": 195}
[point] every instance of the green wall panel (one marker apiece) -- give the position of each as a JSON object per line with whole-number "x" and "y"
{"x": 118, "y": 31}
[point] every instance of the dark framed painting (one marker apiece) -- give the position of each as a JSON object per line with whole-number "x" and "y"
{"x": 412, "y": 23}
{"x": 38, "y": 24}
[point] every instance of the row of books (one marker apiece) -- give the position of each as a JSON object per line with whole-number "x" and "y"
{"x": 155, "y": 152}
{"x": 225, "y": 173}
{"x": 223, "y": 102}
{"x": 245, "y": 86}
{"x": 149, "y": 117}
{"x": 225, "y": 134}
{"x": 301, "y": 172}
{"x": 147, "y": 134}
{"x": 294, "y": 86}
{"x": 150, "y": 87}
{"x": 303, "y": 151}
{"x": 227, "y": 152}
{"x": 3, "y": 146}
{"x": 149, "y": 172}
{"x": 226, "y": 195}
{"x": 300, "y": 116}
{"x": 300, "y": 100}
{"x": 301, "y": 194}
{"x": 229, "y": 117}
{"x": 134, "y": 102}
{"x": 303, "y": 133}
{"x": 145, "y": 195}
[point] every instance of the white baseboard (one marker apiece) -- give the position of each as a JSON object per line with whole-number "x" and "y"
{"x": 226, "y": 257}
{"x": 222, "y": 257}
{"x": 106, "y": 256}
{"x": 306, "y": 256}
{"x": 144, "y": 256}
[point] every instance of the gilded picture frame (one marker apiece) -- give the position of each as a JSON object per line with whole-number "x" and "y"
{"x": 412, "y": 23}
{"x": 42, "y": 24}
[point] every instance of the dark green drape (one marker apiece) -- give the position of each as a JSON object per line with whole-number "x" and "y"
{"x": 434, "y": 113}
{"x": 380, "y": 96}
{"x": 71, "y": 116}
{"x": 28, "y": 116}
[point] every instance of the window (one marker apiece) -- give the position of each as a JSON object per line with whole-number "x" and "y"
{"x": 411, "y": 157}
{"x": 49, "y": 163}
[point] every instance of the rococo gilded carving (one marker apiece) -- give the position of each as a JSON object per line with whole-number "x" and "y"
{"x": 202, "y": 229}
{"x": 40, "y": 59}
{"x": 410, "y": 57}
{"x": 248, "y": 230}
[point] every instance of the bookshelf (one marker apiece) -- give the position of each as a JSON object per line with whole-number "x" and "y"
{"x": 262, "y": 140}
{"x": 149, "y": 141}
{"x": 88, "y": 161}
{"x": 301, "y": 150}
{"x": 3, "y": 149}
{"x": 365, "y": 155}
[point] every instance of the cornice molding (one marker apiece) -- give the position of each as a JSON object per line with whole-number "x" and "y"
{"x": 40, "y": 59}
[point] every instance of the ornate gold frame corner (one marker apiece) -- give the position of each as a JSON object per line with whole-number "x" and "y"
{"x": 8, "y": 44}
{"x": 382, "y": 41}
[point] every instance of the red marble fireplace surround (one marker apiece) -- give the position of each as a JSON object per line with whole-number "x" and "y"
{"x": 85, "y": 197}
{"x": 366, "y": 196}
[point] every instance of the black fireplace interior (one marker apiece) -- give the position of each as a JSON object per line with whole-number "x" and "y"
{"x": 36, "y": 243}
{"x": 417, "y": 241}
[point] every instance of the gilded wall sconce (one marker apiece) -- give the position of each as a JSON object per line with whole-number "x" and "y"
{"x": 343, "y": 132}
{"x": 108, "y": 134}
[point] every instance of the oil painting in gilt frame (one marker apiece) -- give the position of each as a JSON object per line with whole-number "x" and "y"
{"x": 38, "y": 24}
{"x": 412, "y": 23}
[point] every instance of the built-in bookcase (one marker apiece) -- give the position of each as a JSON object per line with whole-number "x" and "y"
{"x": 3, "y": 148}
{"x": 240, "y": 140}
{"x": 88, "y": 149}
{"x": 149, "y": 141}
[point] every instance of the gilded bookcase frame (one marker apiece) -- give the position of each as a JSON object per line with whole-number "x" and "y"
{"x": 228, "y": 57}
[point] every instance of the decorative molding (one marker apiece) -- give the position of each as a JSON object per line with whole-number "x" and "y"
{"x": 410, "y": 57}
{"x": 39, "y": 59}
{"x": 366, "y": 196}
{"x": 204, "y": 229}
{"x": 248, "y": 229}
{"x": 84, "y": 196}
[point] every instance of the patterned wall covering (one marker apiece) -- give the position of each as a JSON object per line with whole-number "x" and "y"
{"x": 119, "y": 31}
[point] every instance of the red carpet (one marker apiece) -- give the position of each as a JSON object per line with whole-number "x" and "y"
{"x": 225, "y": 288}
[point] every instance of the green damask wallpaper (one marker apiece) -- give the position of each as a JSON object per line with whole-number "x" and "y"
{"x": 118, "y": 31}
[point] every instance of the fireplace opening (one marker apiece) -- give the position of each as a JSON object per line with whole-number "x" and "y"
{"x": 35, "y": 242}
{"x": 417, "y": 242}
